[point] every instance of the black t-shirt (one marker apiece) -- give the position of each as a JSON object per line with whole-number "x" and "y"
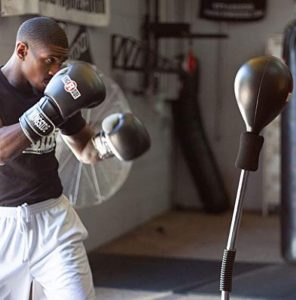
{"x": 32, "y": 176}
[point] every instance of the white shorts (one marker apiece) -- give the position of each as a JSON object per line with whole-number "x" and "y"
{"x": 43, "y": 243}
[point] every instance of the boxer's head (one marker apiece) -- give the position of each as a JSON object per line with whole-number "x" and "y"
{"x": 41, "y": 48}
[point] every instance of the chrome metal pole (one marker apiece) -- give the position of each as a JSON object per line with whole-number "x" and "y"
{"x": 229, "y": 252}
{"x": 237, "y": 211}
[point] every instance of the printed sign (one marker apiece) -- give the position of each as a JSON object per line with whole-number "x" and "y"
{"x": 80, "y": 46}
{"x": 232, "y": 10}
{"x": 87, "y": 12}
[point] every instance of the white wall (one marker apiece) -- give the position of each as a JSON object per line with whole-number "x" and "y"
{"x": 219, "y": 61}
{"x": 145, "y": 194}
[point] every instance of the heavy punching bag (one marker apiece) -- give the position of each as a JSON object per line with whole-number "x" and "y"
{"x": 194, "y": 143}
{"x": 262, "y": 87}
{"x": 288, "y": 157}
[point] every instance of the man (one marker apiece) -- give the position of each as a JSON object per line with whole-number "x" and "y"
{"x": 41, "y": 236}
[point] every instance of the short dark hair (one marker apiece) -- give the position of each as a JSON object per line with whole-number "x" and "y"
{"x": 42, "y": 30}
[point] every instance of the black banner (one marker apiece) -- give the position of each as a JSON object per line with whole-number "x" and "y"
{"x": 232, "y": 10}
{"x": 79, "y": 48}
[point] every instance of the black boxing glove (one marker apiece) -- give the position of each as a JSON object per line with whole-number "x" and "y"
{"x": 75, "y": 87}
{"x": 123, "y": 136}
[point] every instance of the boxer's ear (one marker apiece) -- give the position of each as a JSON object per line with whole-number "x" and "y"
{"x": 21, "y": 50}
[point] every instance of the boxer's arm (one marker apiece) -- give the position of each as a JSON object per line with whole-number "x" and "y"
{"x": 81, "y": 145}
{"x": 12, "y": 142}
{"x": 122, "y": 135}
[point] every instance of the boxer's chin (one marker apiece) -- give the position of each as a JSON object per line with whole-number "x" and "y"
{"x": 43, "y": 85}
{"x": 40, "y": 87}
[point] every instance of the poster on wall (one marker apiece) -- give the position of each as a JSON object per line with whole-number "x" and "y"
{"x": 232, "y": 10}
{"x": 80, "y": 46}
{"x": 84, "y": 12}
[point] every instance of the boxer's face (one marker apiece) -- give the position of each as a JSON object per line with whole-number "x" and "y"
{"x": 41, "y": 62}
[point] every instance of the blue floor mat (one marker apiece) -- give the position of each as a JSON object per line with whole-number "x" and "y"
{"x": 180, "y": 275}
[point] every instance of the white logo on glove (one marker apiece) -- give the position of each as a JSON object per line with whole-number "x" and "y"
{"x": 39, "y": 121}
{"x": 70, "y": 86}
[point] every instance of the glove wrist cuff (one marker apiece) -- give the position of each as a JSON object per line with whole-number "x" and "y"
{"x": 35, "y": 124}
{"x": 100, "y": 143}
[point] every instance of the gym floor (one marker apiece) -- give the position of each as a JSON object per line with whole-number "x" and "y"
{"x": 178, "y": 256}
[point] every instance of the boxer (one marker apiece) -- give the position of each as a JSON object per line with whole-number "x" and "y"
{"x": 41, "y": 236}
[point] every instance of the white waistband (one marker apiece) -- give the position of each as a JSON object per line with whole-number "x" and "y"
{"x": 33, "y": 208}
